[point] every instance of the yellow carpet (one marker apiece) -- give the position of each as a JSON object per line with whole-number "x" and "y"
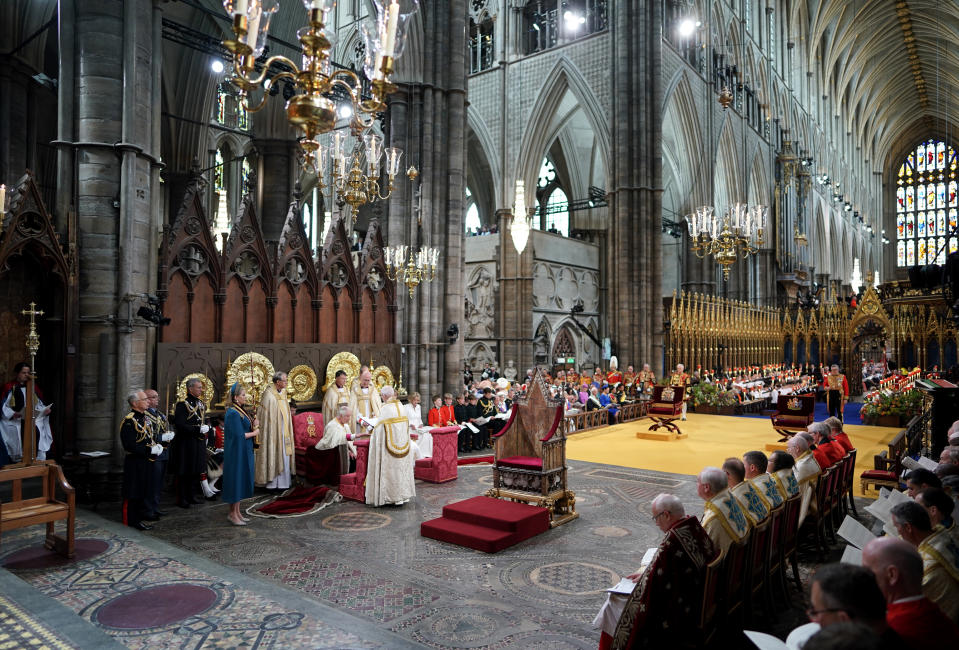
{"x": 712, "y": 439}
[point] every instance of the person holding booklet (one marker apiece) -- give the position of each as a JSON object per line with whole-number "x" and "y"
{"x": 652, "y": 607}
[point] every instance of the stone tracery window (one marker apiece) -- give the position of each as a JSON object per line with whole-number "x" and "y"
{"x": 926, "y": 205}
{"x": 553, "y": 214}
{"x": 544, "y": 21}
{"x": 481, "y": 43}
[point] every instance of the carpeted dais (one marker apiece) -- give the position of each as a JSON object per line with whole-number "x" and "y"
{"x": 487, "y": 524}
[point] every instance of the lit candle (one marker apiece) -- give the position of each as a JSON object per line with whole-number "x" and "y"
{"x": 253, "y": 30}
{"x": 3, "y": 199}
{"x": 317, "y": 4}
{"x": 240, "y": 7}
{"x": 392, "y": 17}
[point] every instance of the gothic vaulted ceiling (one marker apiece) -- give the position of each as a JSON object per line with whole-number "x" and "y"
{"x": 891, "y": 67}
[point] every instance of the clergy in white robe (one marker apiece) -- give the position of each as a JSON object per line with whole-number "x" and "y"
{"x": 806, "y": 470}
{"x": 423, "y": 445}
{"x": 338, "y": 434}
{"x": 275, "y": 455}
{"x": 366, "y": 400}
{"x": 337, "y": 395}
{"x": 389, "y": 470}
{"x": 11, "y": 418}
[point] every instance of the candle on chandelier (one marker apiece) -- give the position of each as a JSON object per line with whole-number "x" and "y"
{"x": 392, "y": 17}
{"x": 240, "y": 7}
{"x": 3, "y": 199}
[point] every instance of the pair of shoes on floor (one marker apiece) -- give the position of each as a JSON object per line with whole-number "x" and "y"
{"x": 142, "y": 526}
{"x": 242, "y": 521}
{"x": 152, "y": 518}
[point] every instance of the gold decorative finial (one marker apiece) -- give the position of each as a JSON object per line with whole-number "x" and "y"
{"x": 33, "y": 340}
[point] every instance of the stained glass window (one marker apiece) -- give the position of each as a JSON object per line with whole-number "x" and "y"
{"x": 926, "y": 205}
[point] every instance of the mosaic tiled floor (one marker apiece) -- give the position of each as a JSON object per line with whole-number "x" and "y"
{"x": 374, "y": 581}
{"x": 146, "y": 600}
{"x": 18, "y": 629}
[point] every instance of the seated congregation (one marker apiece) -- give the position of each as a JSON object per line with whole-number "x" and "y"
{"x": 712, "y": 577}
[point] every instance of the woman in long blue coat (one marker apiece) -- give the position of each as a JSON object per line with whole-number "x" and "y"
{"x": 238, "y": 434}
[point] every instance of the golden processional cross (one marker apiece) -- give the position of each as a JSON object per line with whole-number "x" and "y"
{"x": 33, "y": 340}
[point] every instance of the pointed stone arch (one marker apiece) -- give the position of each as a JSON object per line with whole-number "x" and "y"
{"x": 681, "y": 127}
{"x": 483, "y": 172}
{"x": 727, "y": 183}
{"x": 564, "y": 76}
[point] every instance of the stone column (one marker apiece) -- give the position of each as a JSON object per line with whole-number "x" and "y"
{"x": 434, "y": 141}
{"x": 635, "y": 264}
{"x": 116, "y": 91}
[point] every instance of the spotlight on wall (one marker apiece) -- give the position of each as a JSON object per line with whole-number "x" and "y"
{"x": 573, "y": 21}
{"x": 687, "y": 27}
{"x": 216, "y": 66}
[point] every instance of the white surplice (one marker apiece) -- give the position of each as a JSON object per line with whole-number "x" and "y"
{"x": 423, "y": 446}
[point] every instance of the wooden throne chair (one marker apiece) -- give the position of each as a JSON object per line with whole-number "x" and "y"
{"x": 793, "y": 414}
{"x": 529, "y": 455}
{"x": 666, "y": 407}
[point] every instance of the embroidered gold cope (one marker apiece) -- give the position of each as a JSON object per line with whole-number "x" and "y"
{"x": 276, "y": 436}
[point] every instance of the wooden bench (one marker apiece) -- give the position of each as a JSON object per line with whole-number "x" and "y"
{"x": 887, "y": 465}
{"x": 45, "y": 509}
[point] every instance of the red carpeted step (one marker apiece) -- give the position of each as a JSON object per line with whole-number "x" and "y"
{"x": 481, "y": 538}
{"x": 498, "y": 514}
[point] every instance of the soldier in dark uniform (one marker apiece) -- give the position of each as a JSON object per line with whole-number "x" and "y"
{"x": 136, "y": 436}
{"x": 461, "y": 413}
{"x": 188, "y": 450}
{"x": 161, "y": 434}
{"x": 487, "y": 409}
{"x": 473, "y": 411}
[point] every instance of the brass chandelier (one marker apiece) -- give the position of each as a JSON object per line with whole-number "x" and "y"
{"x": 740, "y": 232}
{"x": 312, "y": 109}
{"x": 411, "y": 267}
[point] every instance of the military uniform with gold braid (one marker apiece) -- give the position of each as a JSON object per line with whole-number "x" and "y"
{"x": 159, "y": 426}
{"x": 837, "y": 391}
{"x": 681, "y": 379}
{"x": 188, "y": 456}
{"x": 136, "y": 436}
{"x": 645, "y": 381}
{"x": 487, "y": 409}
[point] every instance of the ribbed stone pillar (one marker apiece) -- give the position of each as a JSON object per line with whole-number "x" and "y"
{"x": 117, "y": 96}
{"x": 635, "y": 250}
{"x": 432, "y": 133}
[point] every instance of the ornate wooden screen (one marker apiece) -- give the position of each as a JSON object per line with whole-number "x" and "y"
{"x": 261, "y": 292}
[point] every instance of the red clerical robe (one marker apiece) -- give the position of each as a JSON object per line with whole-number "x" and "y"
{"x": 670, "y": 592}
{"x": 834, "y": 451}
{"x": 921, "y": 624}
{"x": 843, "y": 441}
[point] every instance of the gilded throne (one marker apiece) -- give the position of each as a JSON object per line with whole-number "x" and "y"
{"x": 530, "y": 455}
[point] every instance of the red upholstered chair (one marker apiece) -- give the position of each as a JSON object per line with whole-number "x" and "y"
{"x": 353, "y": 485}
{"x": 530, "y": 454}
{"x": 441, "y": 466}
{"x": 793, "y": 414}
{"x": 666, "y": 407}
{"x": 316, "y": 467}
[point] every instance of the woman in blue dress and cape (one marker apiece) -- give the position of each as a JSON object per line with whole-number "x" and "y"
{"x": 239, "y": 429}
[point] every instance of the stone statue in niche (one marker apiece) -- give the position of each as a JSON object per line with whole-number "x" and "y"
{"x": 374, "y": 279}
{"x": 540, "y": 346}
{"x": 479, "y": 305}
{"x": 510, "y": 370}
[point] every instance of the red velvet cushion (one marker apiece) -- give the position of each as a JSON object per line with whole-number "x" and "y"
{"x": 424, "y": 462}
{"x": 521, "y": 462}
{"x": 880, "y": 474}
{"x": 668, "y": 409}
{"x": 348, "y": 478}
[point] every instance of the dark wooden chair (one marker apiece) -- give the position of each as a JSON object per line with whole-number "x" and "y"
{"x": 851, "y": 483}
{"x": 735, "y": 581}
{"x": 793, "y": 414}
{"x": 756, "y": 571}
{"x": 790, "y": 538}
{"x": 706, "y": 621}
{"x": 529, "y": 455}
{"x": 887, "y": 465}
{"x": 775, "y": 571}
